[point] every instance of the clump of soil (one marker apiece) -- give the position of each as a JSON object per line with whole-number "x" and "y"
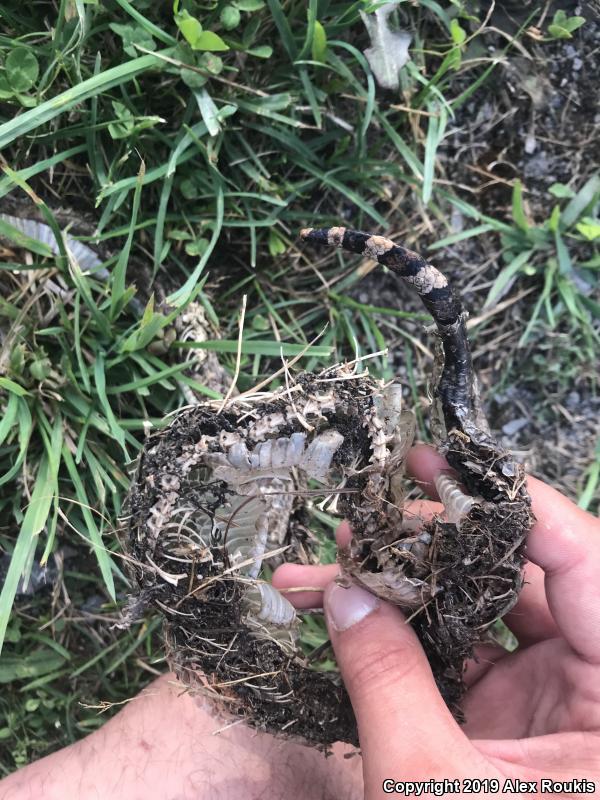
{"x": 183, "y": 508}
{"x": 214, "y": 494}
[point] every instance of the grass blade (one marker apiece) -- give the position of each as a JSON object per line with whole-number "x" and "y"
{"x": 92, "y": 532}
{"x": 283, "y": 26}
{"x": 24, "y": 123}
{"x": 100, "y": 380}
{"x": 33, "y": 523}
{"x": 146, "y": 24}
{"x": 6, "y": 184}
{"x": 25, "y": 429}
{"x": 504, "y": 279}
{"x": 581, "y": 201}
{"x": 12, "y": 387}
{"x": 118, "y": 278}
{"x": 258, "y": 347}
{"x": 435, "y": 134}
{"x": 518, "y": 211}
{"x": 181, "y": 296}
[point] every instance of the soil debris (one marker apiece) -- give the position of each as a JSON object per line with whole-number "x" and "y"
{"x": 214, "y": 493}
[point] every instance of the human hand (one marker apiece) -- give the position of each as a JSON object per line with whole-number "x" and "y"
{"x": 532, "y": 714}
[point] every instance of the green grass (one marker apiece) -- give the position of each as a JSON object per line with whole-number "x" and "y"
{"x": 198, "y": 148}
{"x": 551, "y": 251}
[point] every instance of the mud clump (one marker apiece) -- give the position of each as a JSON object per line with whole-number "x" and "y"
{"x": 211, "y": 503}
{"x": 214, "y": 495}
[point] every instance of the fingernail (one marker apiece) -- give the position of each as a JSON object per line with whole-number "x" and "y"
{"x": 346, "y": 607}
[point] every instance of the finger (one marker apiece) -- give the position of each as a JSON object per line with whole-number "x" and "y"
{"x": 399, "y": 710}
{"x": 303, "y": 585}
{"x": 531, "y": 619}
{"x": 423, "y": 463}
{"x": 484, "y": 658}
{"x": 565, "y": 543}
{"x": 292, "y": 581}
{"x": 343, "y": 534}
{"x": 414, "y": 514}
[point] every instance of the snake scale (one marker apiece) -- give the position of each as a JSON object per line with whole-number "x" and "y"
{"x": 221, "y": 493}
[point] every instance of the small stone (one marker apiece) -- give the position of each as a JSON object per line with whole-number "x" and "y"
{"x": 457, "y": 222}
{"x": 514, "y": 426}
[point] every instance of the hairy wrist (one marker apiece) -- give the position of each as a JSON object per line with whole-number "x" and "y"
{"x": 166, "y": 745}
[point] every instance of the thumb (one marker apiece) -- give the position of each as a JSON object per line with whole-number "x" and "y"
{"x": 404, "y": 726}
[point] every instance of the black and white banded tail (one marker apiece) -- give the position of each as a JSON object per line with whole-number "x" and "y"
{"x": 455, "y": 388}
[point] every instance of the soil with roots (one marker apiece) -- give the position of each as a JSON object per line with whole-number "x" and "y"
{"x": 453, "y": 579}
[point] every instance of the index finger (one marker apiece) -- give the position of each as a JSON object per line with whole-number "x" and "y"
{"x": 303, "y": 584}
